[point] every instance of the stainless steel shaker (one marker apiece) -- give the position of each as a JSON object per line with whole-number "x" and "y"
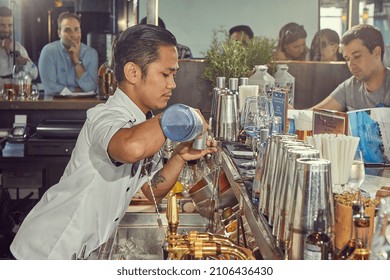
{"x": 270, "y": 166}
{"x": 280, "y": 183}
{"x": 277, "y": 175}
{"x": 283, "y": 211}
{"x": 227, "y": 117}
{"x": 312, "y": 193}
{"x": 214, "y": 104}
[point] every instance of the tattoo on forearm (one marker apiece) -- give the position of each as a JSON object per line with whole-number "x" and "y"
{"x": 157, "y": 179}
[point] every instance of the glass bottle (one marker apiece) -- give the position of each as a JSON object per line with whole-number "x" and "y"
{"x": 258, "y": 78}
{"x": 286, "y": 81}
{"x": 348, "y": 249}
{"x": 362, "y": 228}
{"x": 275, "y": 125}
{"x": 317, "y": 245}
{"x": 270, "y": 82}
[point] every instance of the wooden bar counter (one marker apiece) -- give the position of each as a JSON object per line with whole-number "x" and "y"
{"x": 46, "y": 108}
{"x": 52, "y": 103}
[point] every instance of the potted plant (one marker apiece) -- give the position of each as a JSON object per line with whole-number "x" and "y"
{"x": 233, "y": 59}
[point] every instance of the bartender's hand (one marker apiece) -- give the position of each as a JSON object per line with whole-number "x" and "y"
{"x": 186, "y": 152}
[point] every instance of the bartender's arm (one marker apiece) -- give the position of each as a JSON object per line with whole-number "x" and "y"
{"x": 129, "y": 145}
{"x": 163, "y": 181}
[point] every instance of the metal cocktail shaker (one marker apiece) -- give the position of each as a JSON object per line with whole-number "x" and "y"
{"x": 312, "y": 193}
{"x": 181, "y": 123}
{"x": 227, "y": 123}
{"x": 283, "y": 213}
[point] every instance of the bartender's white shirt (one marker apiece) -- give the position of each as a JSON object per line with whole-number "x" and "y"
{"x": 86, "y": 206}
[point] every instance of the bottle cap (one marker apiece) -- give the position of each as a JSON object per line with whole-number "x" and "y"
{"x": 233, "y": 84}
{"x": 221, "y": 81}
{"x": 244, "y": 81}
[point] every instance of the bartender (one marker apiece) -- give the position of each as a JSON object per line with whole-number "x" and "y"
{"x": 116, "y": 154}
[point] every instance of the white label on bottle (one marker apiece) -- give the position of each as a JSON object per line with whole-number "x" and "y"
{"x": 311, "y": 252}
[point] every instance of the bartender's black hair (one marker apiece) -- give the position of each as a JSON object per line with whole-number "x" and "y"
{"x": 368, "y": 34}
{"x": 140, "y": 44}
{"x": 5, "y": 12}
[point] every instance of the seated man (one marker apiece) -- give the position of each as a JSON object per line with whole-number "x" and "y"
{"x": 184, "y": 52}
{"x": 68, "y": 62}
{"x": 369, "y": 85}
{"x": 241, "y": 33}
{"x": 7, "y": 53}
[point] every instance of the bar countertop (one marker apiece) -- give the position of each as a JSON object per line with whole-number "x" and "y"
{"x": 52, "y": 103}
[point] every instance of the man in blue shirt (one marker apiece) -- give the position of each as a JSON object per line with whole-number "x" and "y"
{"x": 68, "y": 62}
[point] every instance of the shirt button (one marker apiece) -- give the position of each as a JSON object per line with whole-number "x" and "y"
{"x": 127, "y": 189}
{"x": 116, "y": 219}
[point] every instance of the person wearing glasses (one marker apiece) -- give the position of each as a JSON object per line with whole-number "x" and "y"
{"x": 292, "y": 43}
{"x": 68, "y": 62}
{"x": 116, "y": 155}
{"x": 363, "y": 48}
{"x": 325, "y": 46}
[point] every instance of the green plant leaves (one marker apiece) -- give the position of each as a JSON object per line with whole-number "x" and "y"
{"x": 233, "y": 59}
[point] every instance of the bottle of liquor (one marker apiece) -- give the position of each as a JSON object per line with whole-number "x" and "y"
{"x": 348, "y": 249}
{"x": 362, "y": 228}
{"x": 317, "y": 245}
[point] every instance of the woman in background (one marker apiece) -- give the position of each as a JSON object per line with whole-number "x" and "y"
{"x": 292, "y": 43}
{"x": 325, "y": 46}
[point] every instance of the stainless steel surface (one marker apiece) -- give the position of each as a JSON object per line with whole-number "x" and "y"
{"x": 140, "y": 231}
{"x": 228, "y": 121}
{"x": 206, "y": 196}
{"x": 283, "y": 211}
{"x": 257, "y": 223}
{"x": 312, "y": 194}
